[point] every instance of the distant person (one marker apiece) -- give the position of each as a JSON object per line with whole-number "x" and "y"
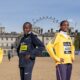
{"x": 9, "y": 55}
{"x": 29, "y": 46}
{"x": 61, "y": 49}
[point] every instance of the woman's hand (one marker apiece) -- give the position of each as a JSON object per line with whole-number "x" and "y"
{"x": 27, "y": 57}
{"x": 61, "y": 60}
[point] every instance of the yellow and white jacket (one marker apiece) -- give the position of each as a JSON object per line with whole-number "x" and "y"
{"x": 61, "y": 47}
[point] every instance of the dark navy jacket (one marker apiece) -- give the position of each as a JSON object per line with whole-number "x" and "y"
{"x": 35, "y": 48}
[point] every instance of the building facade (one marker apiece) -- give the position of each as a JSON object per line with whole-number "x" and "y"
{"x": 8, "y": 40}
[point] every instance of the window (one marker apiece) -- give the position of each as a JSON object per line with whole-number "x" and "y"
{"x": 11, "y": 38}
{"x": 2, "y": 38}
{"x": 4, "y": 51}
{"x": 6, "y": 38}
{"x": 2, "y": 44}
{"x": 47, "y": 38}
{"x": 7, "y": 45}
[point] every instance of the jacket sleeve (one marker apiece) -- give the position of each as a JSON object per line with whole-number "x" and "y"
{"x": 17, "y": 49}
{"x": 39, "y": 46}
{"x": 1, "y": 55}
{"x": 50, "y": 48}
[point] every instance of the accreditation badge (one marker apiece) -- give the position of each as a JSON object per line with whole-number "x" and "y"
{"x": 23, "y": 47}
{"x": 67, "y": 47}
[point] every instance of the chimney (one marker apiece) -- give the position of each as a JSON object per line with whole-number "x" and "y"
{"x": 76, "y": 32}
{"x": 48, "y": 31}
{"x": 51, "y": 30}
{"x": 41, "y": 31}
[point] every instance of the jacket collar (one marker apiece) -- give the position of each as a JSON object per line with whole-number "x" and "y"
{"x": 64, "y": 34}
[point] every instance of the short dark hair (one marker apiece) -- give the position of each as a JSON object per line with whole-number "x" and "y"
{"x": 62, "y": 22}
{"x": 26, "y": 24}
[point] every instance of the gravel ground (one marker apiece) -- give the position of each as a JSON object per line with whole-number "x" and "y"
{"x": 44, "y": 69}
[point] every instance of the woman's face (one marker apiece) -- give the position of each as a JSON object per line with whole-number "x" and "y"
{"x": 65, "y": 26}
{"x": 27, "y": 28}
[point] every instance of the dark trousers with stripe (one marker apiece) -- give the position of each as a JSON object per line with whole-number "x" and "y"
{"x": 63, "y": 71}
{"x": 26, "y": 72}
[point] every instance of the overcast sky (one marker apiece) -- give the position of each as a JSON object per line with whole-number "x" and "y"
{"x": 13, "y": 13}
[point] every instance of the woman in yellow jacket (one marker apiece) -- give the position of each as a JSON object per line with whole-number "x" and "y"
{"x": 61, "y": 49}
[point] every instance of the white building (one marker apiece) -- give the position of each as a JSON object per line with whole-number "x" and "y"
{"x": 7, "y": 40}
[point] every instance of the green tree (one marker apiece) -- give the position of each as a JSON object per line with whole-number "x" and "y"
{"x": 77, "y": 41}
